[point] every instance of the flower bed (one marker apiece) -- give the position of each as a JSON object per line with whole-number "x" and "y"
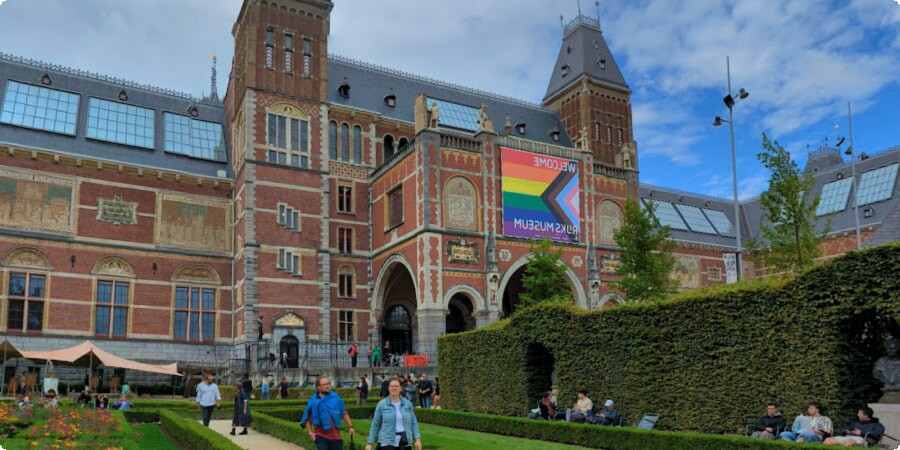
{"x": 66, "y": 428}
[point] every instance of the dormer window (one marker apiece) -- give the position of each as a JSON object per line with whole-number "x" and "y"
{"x": 45, "y": 80}
{"x": 344, "y": 90}
{"x": 840, "y": 175}
{"x": 123, "y": 96}
{"x": 565, "y": 70}
{"x": 192, "y": 111}
{"x": 568, "y": 49}
{"x": 390, "y": 100}
{"x": 520, "y": 127}
{"x": 602, "y": 64}
{"x": 554, "y": 135}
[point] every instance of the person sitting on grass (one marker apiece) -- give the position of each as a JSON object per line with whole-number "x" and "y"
{"x": 866, "y": 428}
{"x": 122, "y": 404}
{"x": 814, "y": 428}
{"x": 85, "y": 398}
{"x": 25, "y": 402}
{"x": 769, "y": 425}
{"x": 580, "y": 409}
{"x": 101, "y": 402}
{"x": 50, "y": 401}
{"x": 546, "y": 407}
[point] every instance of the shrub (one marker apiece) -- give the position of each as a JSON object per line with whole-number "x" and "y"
{"x": 706, "y": 360}
{"x": 192, "y": 434}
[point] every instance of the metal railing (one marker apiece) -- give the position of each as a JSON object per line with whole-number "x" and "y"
{"x": 313, "y": 354}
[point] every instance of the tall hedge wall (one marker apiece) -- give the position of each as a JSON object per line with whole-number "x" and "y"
{"x": 705, "y": 360}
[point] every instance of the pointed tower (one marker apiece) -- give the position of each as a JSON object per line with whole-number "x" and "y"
{"x": 587, "y": 90}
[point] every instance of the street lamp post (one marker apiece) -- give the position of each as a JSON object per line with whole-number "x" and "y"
{"x": 849, "y": 151}
{"x": 729, "y": 102}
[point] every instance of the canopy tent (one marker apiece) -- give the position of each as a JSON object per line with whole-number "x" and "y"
{"x": 9, "y": 351}
{"x": 89, "y": 355}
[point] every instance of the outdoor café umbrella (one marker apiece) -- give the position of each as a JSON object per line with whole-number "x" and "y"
{"x": 89, "y": 355}
{"x": 9, "y": 351}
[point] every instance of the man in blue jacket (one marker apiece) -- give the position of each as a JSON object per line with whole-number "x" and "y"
{"x": 323, "y": 415}
{"x": 866, "y": 428}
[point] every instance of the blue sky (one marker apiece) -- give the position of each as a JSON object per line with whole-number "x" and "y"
{"x": 801, "y": 60}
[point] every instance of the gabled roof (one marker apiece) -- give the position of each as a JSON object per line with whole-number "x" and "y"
{"x": 584, "y": 53}
{"x": 369, "y": 85}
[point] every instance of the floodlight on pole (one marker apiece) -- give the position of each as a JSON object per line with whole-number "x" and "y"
{"x": 729, "y": 103}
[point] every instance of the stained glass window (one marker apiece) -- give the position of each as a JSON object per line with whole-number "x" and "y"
{"x": 877, "y": 185}
{"x": 120, "y": 123}
{"x": 195, "y": 138}
{"x": 666, "y": 214}
{"x": 40, "y": 108}
{"x": 834, "y": 196}
{"x": 695, "y": 219}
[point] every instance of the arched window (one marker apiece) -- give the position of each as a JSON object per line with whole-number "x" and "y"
{"x": 460, "y": 205}
{"x": 26, "y": 293}
{"x": 357, "y": 144}
{"x": 388, "y": 147}
{"x": 332, "y": 140}
{"x": 345, "y": 142}
{"x": 402, "y": 143}
{"x": 397, "y": 318}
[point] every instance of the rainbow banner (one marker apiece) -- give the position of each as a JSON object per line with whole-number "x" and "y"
{"x": 541, "y": 196}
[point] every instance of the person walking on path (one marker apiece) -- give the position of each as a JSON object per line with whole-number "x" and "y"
{"x": 369, "y": 355}
{"x": 354, "y": 354}
{"x": 242, "y": 416}
{"x": 362, "y": 391}
{"x": 376, "y": 356}
{"x": 208, "y": 397}
{"x": 264, "y": 393}
{"x": 322, "y": 417}
{"x": 394, "y": 424}
{"x": 283, "y": 392}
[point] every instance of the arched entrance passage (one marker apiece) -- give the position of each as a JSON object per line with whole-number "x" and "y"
{"x": 395, "y": 288}
{"x": 289, "y": 348}
{"x": 511, "y": 287}
{"x": 397, "y": 330}
{"x": 459, "y": 314}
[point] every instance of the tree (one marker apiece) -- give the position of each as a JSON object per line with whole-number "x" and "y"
{"x": 545, "y": 278}
{"x": 646, "y": 257}
{"x": 790, "y": 225}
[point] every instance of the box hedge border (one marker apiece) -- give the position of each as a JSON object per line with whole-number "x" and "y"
{"x": 707, "y": 360}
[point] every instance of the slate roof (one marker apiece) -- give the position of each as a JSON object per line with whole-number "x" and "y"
{"x": 86, "y": 85}
{"x": 370, "y": 84}
{"x": 826, "y": 165}
{"x": 584, "y": 53}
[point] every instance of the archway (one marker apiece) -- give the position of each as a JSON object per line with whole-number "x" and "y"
{"x": 541, "y": 369}
{"x": 395, "y": 287}
{"x": 289, "y": 349}
{"x": 459, "y": 314}
{"x": 511, "y": 287}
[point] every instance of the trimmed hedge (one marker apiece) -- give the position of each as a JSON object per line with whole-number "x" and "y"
{"x": 192, "y": 434}
{"x": 705, "y": 360}
{"x": 294, "y": 393}
{"x": 595, "y": 436}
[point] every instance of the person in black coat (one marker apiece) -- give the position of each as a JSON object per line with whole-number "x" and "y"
{"x": 769, "y": 425}
{"x": 866, "y": 428}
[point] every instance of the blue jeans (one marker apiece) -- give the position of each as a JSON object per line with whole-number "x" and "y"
{"x": 327, "y": 444}
{"x": 808, "y": 436}
{"x": 426, "y": 401}
{"x": 207, "y": 413}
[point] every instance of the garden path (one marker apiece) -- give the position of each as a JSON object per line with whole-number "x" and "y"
{"x": 253, "y": 441}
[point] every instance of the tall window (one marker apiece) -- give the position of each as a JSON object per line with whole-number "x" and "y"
{"x": 195, "y": 313}
{"x": 345, "y": 142}
{"x": 332, "y": 140}
{"x": 112, "y": 308}
{"x": 346, "y": 325}
{"x": 345, "y": 241}
{"x": 345, "y": 199}
{"x": 395, "y": 207}
{"x": 346, "y": 281}
{"x": 26, "y": 302}
{"x": 307, "y": 56}
{"x": 270, "y": 48}
{"x": 357, "y": 144}
{"x": 288, "y": 139}
{"x": 288, "y": 52}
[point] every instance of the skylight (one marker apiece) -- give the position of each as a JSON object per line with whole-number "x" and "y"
{"x": 834, "y": 196}
{"x": 720, "y": 221}
{"x": 695, "y": 219}
{"x": 455, "y": 115}
{"x": 877, "y": 185}
{"x": 666, "y": 214}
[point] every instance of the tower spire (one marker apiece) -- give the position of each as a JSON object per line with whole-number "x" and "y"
{"x": 213, "y": 91}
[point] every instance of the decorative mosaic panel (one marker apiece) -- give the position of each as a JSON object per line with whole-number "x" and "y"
{"x": 687, "y": 271}
{"x": 192, "y": 222}
{"x": 37, "y": 202}
{"x": 609, "y": 219}
{"x": 460, "y": 205}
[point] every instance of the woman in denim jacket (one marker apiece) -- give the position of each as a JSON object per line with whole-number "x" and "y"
{"x": 391, "y": 433}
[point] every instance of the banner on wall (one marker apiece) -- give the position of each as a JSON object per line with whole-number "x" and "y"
{"x": 730, "y": 267}
{"x": 541, "y": 196}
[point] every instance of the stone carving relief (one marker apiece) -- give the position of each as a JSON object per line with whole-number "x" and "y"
{"x": 290, "y": 319}
{"x": 196, "y": 273}
{"x": 609, "y": 219}
{"x": 113, "y": 266}
{"x": 27, "y": 258}
{"x": 190, "y": 222}
{"x": 687, "y": 271}
{"x": 461, "y": 206}
{"x": 35, "y": 201}
{"x": 116, "y": 211}
{"x": 627, "y": 157}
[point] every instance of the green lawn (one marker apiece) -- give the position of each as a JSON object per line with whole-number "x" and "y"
{"x": 443, "y": 438}
{"x": 153, "y": 438}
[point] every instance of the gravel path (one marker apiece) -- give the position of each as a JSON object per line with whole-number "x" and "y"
{"x": 252, "y": 441}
